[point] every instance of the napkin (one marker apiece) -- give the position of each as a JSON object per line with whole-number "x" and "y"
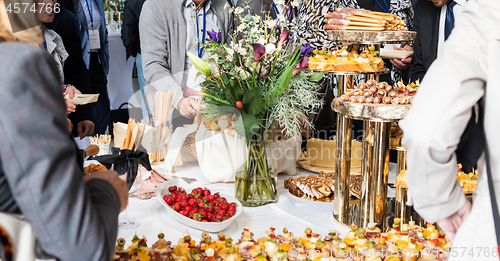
{"x": 125, "y": 161}
{"x": 178, "y": 155}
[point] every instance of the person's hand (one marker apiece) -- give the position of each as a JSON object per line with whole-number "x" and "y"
{"x": 451, "y": 224}
{"x": 112, "y": 177}
{"x": 402, "y": 64}
{"x": 70, "y": 108}
{"x": 71, "y": 91}
{"x": 188, "y": 107}
{"x": 85, "y": 128}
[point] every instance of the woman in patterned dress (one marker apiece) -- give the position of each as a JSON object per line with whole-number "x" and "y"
{"x": 310, "y": 20}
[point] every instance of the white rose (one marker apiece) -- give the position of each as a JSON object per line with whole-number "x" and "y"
{"x": 270, "y": 48}
{"x": 272, "y": 39}
{"x": 238, "y": 10}
{"x": 281, "y": 17}
{"x": 262, "y": 41}
{"x": 271, "y": 23}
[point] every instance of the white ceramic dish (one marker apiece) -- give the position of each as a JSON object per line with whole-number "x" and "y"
{"x": 394, "y": 54}
{"x": 162, "y": 190}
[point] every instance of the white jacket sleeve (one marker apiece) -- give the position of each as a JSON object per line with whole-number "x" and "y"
{"x": 441, "y": 110}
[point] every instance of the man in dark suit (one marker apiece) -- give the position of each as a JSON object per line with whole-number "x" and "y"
{"x": 66, "y": 25}
{"x": 132, "y": 42}
{"x": 433, "y": 22}
{"x": 94, "y": 36}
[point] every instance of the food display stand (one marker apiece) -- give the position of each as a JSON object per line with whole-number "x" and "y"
{"x": 377, "y": 120}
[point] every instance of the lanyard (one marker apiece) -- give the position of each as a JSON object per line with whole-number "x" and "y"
{"x": 44, "y": 42}
{"x": 276, "y": 8}
{"x": 200, "y": 50}
{"x": 90, "y": 8}
{"x": 386, "y": 9}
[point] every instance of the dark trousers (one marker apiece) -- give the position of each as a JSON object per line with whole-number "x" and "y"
{"x": 98, "y": 84}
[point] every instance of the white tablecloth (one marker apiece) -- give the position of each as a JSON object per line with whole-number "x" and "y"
{"x": 120, "y": 73}
{"x": 294, "y": 213}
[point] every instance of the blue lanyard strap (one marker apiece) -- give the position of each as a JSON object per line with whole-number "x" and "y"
{"x": 276, "y": 8}
{"x": 44, "y": 42}
{"x": 386, "y": 9}
{"x": 90, "y": 8}
{"x": 200, "y": 50}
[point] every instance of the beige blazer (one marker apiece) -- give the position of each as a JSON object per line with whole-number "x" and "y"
{"x": 467, "y": 71}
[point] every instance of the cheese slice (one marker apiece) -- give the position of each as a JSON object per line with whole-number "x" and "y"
{"x": 321, "y": 153}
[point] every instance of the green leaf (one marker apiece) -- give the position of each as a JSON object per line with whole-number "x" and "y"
{"x": 225, "y": 80}
{"x": 247, "y": 125}
{"x": 316, "y": 77}
{"x": 236, "y": 59}
{"x": 237, "y": 91}
{"x": 230, "y": 98}
{"x": 283, "y": 81}
{"x": 252, "y": 101}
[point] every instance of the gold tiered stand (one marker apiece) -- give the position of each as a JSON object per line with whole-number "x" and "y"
{"x": 376, "y": 134}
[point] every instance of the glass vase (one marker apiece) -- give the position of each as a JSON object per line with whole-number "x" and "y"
{"x": 256, "y": 185}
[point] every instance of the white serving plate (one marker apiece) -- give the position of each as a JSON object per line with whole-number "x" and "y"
{"x": 162, "y": 190}
{"x": 394, "y": 54}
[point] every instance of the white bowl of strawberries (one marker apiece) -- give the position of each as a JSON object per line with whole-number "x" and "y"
{"x": 198, "y": 207}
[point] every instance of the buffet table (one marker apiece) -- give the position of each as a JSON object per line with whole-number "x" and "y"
{"x": 294, "y": 213}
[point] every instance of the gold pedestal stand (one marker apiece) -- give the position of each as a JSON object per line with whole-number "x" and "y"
{"x": 377, "y": 120}
{"x": 401, "y": 210}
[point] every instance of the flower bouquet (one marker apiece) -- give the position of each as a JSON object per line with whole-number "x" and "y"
{"x": 259, "y": 78}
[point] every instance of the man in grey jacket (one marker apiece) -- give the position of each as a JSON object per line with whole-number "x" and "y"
{"x": 41, "y": 177}
{"x": 465, "y": 73}
{"x": 168, "y": 29}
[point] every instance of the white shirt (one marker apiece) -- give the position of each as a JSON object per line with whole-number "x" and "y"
{"x": 192, "y": 38}
{"x": 457, "y": 10}
{"x": 96, "y": 15}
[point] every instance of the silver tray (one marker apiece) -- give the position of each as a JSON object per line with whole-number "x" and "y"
{"x": 372, "y": 112}
{"x": 370, "y": 37}
{"x": 385, "y": 71}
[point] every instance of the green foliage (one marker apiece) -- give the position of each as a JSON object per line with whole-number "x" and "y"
{"x": 269, "y": 89}
{"x": 252, "y": 102}
{"x": 246, "y": 126}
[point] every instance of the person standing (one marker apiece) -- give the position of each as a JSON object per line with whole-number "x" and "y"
{"x": 168, "y": 30}
{"x": 401, "y": 8}
{"x": 463, "y": 75}
{"x": 41, "y": 176}
{"x": 65, "y": 24}
{"x": 433, "y": 22}
{"x": 132, "y": 42}
{"x": 94, "y": 36}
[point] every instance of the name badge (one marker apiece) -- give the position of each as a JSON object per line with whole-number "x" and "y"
{"x": 95, "y": 43}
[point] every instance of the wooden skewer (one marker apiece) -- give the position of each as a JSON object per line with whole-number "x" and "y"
{"x": 127, "y": 136}
{"x": 133, "y": 141}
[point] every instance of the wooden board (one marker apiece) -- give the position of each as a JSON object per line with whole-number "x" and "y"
{"x": 367, "y": 111}
{"x": 369, "y": 37}
{"x": 305, "y": 165}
